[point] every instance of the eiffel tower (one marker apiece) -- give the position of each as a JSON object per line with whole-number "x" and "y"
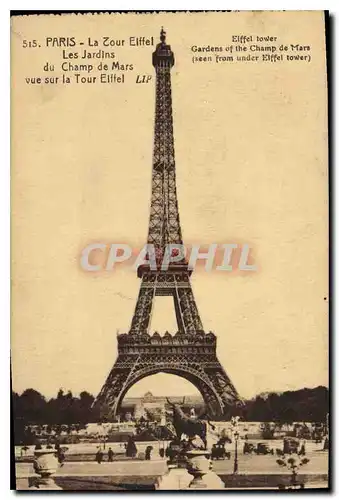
{"x": 191, "y": 352}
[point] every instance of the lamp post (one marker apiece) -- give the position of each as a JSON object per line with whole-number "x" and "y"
{"x": 234, "y": 424}
{"x": 236, "y": 437}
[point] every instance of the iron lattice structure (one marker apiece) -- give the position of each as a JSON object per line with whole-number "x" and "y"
{"x": 190, "y": 353}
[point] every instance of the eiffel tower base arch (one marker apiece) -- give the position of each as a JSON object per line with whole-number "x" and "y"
{"x": 195, "y": 360}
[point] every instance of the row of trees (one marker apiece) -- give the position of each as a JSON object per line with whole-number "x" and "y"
{"x": 34, "y": 408}
{"x": 304, "y": 405}
{"x": 31, "y": 407}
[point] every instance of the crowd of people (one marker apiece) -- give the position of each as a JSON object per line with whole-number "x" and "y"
{"x": 99, "y": 456}
{"x": 131, "y": 451}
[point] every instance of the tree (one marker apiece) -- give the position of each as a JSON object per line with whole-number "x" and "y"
{"x": 86, "y": 412}
{"x": 31, "y": 406}
{"x": 86, "y": 399}
{"x": 309, "y": 405}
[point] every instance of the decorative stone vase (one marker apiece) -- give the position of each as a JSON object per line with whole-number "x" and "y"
{"x": 199, "y": 466}
{"x": 45, "y": 464}
{"x": 176, "y": 478}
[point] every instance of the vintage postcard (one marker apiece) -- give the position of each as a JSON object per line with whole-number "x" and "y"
{"x": 170, "y": 251}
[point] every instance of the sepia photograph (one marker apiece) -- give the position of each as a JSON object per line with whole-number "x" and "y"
{"x": 170, "y": 251}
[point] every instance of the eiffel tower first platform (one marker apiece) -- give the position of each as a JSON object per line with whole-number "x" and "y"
{"x": 191, "y": 352}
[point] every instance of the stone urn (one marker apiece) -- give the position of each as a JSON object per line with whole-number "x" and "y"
{"x": 199, "y": 466}
{"x": 176, "y": 478}
{"x": 45, "y": 465}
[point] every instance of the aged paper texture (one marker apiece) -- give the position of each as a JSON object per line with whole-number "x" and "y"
{"x": 203, "y": 135}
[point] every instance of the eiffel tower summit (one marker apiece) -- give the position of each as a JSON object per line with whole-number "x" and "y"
{"x": 190, "y": 352}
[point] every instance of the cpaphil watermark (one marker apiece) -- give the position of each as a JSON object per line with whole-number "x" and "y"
{"x": 97, "y": 257}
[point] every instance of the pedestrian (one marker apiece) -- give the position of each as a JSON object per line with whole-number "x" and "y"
{"x": 110, "y": 454}
{"x": 61, "y": 456}
{"x": 131, "y": 449}
{"x": 148, "y": 452}
{"x": 99, "y": 456}
{"x": 326, "y": 443}
{"x": 302, "y": 451}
